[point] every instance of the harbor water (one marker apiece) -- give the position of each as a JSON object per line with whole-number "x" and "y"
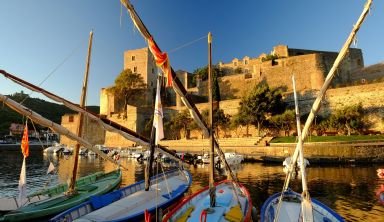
{"x": 351, "y": 190}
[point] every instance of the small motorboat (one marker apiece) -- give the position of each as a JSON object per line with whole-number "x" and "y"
{"x": 287, "y": 162}
{"x": 56, "y": 148}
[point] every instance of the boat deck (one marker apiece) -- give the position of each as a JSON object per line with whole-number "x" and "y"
{"x": 290, "y": 209}
{"x": 226, "y": 202}
{"x": 136, "y": 203}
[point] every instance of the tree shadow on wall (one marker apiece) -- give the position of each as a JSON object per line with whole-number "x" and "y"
{"x": 227, "y": 91}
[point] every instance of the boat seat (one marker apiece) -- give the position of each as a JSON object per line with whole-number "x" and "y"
{"x": 234, "y": 214}
{"x": 8, "y": 204}
{"x": 186, "y": 215}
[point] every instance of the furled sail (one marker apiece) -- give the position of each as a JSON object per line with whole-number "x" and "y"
{"x": 176, "y": 84}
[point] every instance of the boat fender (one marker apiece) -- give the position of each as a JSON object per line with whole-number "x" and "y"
{"x": 203, "y": 215}
{"x": 147, "y": 216}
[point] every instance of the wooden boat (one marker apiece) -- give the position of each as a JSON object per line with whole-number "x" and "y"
{"x": 53, "y": 200}
{"x": 228, "y": 208}
{"x": 291, "y": 209}
{"x": 226, "y": 200}
{"x": 129, "y": 203}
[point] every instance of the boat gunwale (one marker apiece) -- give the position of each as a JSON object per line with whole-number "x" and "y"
{"x": 189, "y": 198}
{"x": 267, "y": 203}
{"x": 133, "y": 216}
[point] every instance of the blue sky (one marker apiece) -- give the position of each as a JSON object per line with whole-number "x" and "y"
{"x": 37, "y": 36}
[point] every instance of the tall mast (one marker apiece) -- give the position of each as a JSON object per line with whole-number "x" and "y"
{"x": 176, "y": 84}
{"x": 212, "y": 188}
{"x": 71, "y": 187}
{"x": 153, "y": 142}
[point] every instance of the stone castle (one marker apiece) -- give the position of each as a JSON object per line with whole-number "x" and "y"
{"x": 310, "y": 68}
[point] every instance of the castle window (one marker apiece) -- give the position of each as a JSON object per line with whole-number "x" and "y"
{"x": 246, "y": 70}
{"x": 247, "y": 76}
{"x": 235, "y": 63}
{"x": 70, "y": 119}
{"x": 133, "y": 58}
{"x": 153, "y": 70}
{"x": 358, "y": 62}
{"x": 135, "y": 69}
{"x": 245, "y": 62}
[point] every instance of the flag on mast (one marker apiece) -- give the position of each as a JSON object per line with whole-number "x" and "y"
{"x": 158, "y": 115}
{"x": 25, "y": 142}
{"x": 23, "y": 175}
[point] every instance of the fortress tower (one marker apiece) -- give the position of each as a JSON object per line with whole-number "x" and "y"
{"x": 141, "y": 61}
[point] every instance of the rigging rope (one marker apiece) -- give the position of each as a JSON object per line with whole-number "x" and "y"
{"x": 186, "y": 44}
{"x": 56, "y": 68}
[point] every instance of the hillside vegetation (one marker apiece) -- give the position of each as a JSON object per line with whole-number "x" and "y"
{"x": 49, "y": 110}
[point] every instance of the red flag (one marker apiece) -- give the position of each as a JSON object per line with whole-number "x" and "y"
{"x": 161, "y": 59}
{"x": 24, "y": 142}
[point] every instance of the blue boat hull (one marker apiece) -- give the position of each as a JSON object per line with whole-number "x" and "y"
{"x": 290, "y": 209}
{"x": 129, "y": 203}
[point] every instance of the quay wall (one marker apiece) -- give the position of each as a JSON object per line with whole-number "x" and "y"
{"x": 325, "y": 151}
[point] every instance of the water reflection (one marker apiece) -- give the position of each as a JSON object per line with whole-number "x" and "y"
{"x": 349, "y": 190}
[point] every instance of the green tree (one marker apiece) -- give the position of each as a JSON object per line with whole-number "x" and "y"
{"x": 348, "y": 118}
{"x": 178, "y": 122}
{"x": 129, "y": 88}
{"x": 216, "y": 72}
{"x": 285, "y": 121}
{"x": 221, "y": 121}
{"x": 322, "y": 126}
{"x": 242, "y": 119}
{"x": 260, "y": 103}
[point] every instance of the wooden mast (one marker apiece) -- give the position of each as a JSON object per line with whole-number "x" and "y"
{"x": 71, "y": 187}
{"x": 176, "y": 84}
{"x": 149, "y": 165}
{"x": 212, "y": 188}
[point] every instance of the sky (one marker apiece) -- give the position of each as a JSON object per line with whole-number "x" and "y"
{"x": 45, "y": 41}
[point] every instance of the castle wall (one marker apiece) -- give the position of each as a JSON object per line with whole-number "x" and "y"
{"x": 308, "y": 71}
{"x": 371, "y": 96}
{"x": 368, "y": 74}
{"x": 92, "y": 131}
